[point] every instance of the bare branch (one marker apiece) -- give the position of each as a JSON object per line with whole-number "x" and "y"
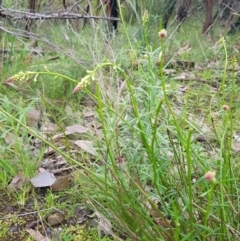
{"x": 18, "y": 15}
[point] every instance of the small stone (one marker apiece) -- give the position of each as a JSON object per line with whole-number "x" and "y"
{"x": 201, "y": 138}
{"x": 14, "y": 228}
{"x": 55, "y": 218}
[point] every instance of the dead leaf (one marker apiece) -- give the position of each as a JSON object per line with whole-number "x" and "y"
{"x": 64, "y": 169}
{"x": 36, "y": 235}
{"x": 75, "y": 129}
{"x": 55, "y": 161}
{"x": 89, "y": 116}
{"x": 169, "y": 71}
{"x": 49, "y": 127}
{"x": 104, "y": 225}
{"x": 33, "y": 117}
{"x": 71, "y": 113}
{"x": 185, "y": 76}
{"x": 71, "y": 130}
{"x": 10, "y": 138}
{"x": 49, "y": 150}
{"x": 88, "y": 113}
{"x": 86, "y": 146}
{"x": 17, "y": 182}
{"x": 43, "y": 179}
{"x": 40, "y": 169}
{"x": 61, "y": 183}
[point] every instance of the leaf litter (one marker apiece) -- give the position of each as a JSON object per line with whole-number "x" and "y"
{"x": 17, "y": 182}
{"x": 74, "y": 129}
{"x": 36, "y": 235}
{"x": 54, "y": 172}
{"x": 43, "y": 179}
{"x": 86, "y": 146}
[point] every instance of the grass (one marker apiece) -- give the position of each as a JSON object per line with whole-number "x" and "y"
{"x": 148, "y": 177}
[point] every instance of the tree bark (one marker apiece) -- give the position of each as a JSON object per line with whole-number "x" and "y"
{"x": 32, "y": 8}
{"x": 112, "y": 11}
{"x": 167, "y": 11}
{"x": 208, "y": 18}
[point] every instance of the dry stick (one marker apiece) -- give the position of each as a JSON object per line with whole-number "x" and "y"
{"x": 18, "y": 15}
{"x": 231, "y": 229}
{"x": 61, "y": 170}
{"x": 29, "y": 213}
{"x": 72, "y": 7}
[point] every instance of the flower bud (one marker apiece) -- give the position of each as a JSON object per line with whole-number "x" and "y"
{"x": 210, "y": 176}
{"x": 162, "y": 33}
{"x": 225, "y": 107}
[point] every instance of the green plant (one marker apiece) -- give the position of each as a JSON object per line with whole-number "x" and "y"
{"x": 152, "y": 179}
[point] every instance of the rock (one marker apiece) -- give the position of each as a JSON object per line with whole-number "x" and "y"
{"x": 201, "y": 138}
{"x": 55, "y": 218}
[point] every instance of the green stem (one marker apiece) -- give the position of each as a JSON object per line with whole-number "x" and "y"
{"x": 189, "y": 180}
{"x": 225, "y": 69}
{"x": 208, "y": 209}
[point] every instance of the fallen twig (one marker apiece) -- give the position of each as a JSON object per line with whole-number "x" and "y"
{"x": 18, "y": 15}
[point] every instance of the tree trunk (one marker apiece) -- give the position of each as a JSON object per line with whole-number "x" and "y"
{"x": 167, "y": 11}
{"x": 86, "y": 11}
{"x": 235, "y": 26}
{"x": 182, "y": 9}
{"x": 208, "y": 18}
{"x": 64, "y": 4}
{"x": 112, "y": 11}
{"x": 32, "y": 8}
